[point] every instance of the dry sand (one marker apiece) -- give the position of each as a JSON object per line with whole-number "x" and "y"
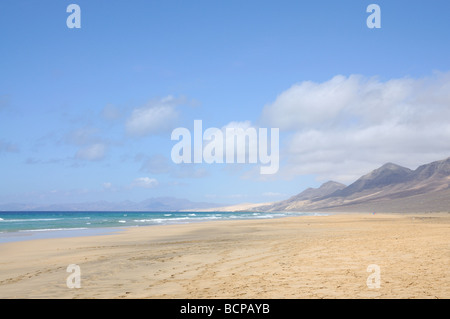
{"x": 295, "y": 257}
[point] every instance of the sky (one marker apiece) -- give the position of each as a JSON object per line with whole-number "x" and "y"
{"x": 86, "y": 114}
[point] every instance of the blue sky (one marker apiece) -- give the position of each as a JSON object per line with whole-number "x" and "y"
{"x": 67, "y": 96}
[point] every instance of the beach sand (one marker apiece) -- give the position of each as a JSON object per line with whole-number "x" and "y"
{"x": 294, "y": 257}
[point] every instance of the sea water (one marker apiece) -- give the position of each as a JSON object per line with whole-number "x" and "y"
{"x": 25, "y": 225}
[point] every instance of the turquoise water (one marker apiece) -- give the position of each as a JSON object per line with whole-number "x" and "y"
{"x": 25, "y": 225}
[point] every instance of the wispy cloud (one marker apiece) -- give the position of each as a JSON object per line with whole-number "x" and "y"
{"x": 83, "y": 136}
{"x": 92, "y": 152}
{"x": 145, "y": 182}
{"x": 155, "y": 117}
{"x": 91, "y": 146}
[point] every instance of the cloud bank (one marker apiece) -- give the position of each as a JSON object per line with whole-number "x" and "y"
{"x": 343, "y": 127}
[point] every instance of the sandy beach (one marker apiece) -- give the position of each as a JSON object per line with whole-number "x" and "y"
{"x": 293, "y": 257}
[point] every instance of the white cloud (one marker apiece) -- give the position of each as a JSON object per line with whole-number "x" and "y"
{"x": 90, "y": 146}
{"x": 340, "y": 102}
{"x": 153, "y": 118}
{"x": 238, "y": 124}
{"x": 145, "y": 182}
{"x": 92, "y": 152}
{"x": 344, "y": 127}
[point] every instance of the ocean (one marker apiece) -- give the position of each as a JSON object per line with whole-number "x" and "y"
{"x": 24, "y": 225}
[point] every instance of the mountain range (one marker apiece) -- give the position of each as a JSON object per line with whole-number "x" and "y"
{"x": 390, "y": 188}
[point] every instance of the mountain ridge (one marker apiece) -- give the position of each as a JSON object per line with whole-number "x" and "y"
{"x": 387, "y": 188}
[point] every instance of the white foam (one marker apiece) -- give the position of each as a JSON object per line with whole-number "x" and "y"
{"x": 50, "y": 229}
{"x": 160, "y": 220}
{"x": 122, "y": 221}
{"x": 31, "y": 220}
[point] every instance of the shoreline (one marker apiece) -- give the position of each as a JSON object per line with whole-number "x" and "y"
{"x": 29, "y": 235}
{"x": 34, "y": 234}
{"x": 291, "y": 257}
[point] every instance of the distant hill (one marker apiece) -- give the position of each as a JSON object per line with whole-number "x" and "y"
{"x": 388, "y": 188}
{"x": 151, "y": 204}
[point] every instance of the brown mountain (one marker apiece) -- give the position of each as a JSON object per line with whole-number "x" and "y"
{"x": 386, "y": 189}
{"x": 308, "y": 195}
{"x": 325, "y": 189}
